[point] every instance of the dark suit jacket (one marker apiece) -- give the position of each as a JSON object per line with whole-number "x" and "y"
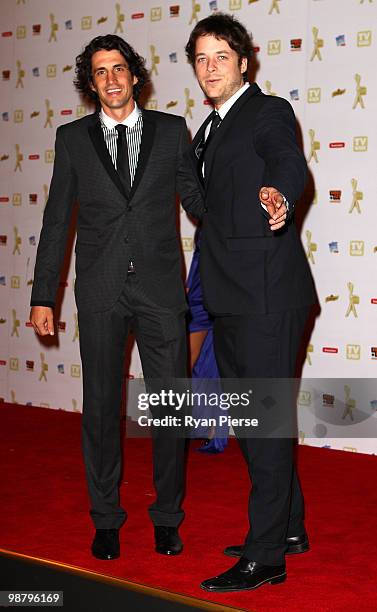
{"x": 245, "y": 267}
{"x": 114, "y": 226}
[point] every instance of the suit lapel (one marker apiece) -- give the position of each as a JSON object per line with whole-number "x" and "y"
{"x": 226, "y": 124}
{"x": 96, "y": 135}
{"x": 147, "y": 138}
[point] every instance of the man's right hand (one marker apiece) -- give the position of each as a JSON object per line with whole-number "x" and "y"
{"x": 42, "y": 319}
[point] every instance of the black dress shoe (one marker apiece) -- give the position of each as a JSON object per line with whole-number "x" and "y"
{"x": 167, "y": 540}
{"x": 106, "y": 544}
{"x": 244, "y": 576}
{"x": 295, "y": 545}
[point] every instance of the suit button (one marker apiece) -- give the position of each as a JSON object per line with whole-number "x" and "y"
{"x": 205, "y": 209}
{"x": 126, "y": 240}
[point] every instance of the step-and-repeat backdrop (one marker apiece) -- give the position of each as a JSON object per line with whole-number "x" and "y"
{"x": 318, "y": 54}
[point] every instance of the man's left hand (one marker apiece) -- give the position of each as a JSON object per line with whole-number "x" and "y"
{"x": 274, "y": 202}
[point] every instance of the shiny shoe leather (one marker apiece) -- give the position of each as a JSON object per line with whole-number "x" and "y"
{"x": 167, "y": 540}
{"x": 106, "y": 544}
{"x": 295, "y": 545}
{"x": 245, "y": 575}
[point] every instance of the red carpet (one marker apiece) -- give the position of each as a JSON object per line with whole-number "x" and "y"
{"x": 44, "y": 514}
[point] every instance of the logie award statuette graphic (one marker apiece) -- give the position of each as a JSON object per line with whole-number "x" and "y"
{"x": 318, "y": 44}
{"x": 49, "y": 114}
{"x": 311, "y": 247}
{"x": 356, "y": 197}
{"x": 44, "y": 368}
{"x": 155, "y": 60}
{"x": 195, "y": 12}
{"x": 53, "y": 28}
{"x": 314, "y": 147}
{"x": 119, "y": 19}
{"x": 274, "y": 7}
{"x": 360, "y": 92}
{"x": 189, "y": 102}
{"x": 20, "y": 75}
{"x": 353, "y": 300}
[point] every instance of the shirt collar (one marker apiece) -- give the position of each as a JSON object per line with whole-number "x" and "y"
{"x": 129, "y": 121}
{"x": 224, "y": 108}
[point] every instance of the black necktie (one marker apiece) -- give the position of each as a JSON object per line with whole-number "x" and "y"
{"x": 214, "y": 125}
{"x": 123, "y": 168}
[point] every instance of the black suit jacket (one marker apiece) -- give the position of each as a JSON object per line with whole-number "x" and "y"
{"x": 114, "y": 226}
{"x": 245, "y": 267}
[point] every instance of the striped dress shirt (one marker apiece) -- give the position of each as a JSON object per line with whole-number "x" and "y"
{"x": 134, "y": 123}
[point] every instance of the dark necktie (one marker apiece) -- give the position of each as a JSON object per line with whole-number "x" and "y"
{"x": 123, "y": 168}
{"x": 214, "y": 125}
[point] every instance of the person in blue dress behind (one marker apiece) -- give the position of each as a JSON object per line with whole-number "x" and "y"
{"x": 204, "y": 370}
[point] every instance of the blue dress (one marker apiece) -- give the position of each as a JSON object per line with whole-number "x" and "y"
{"x": 205, "y": 374}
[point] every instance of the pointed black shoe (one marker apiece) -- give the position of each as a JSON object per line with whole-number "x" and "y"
{"x": 244, "y": 576}
{"x": 106, "y": 544}
{"x": 167, "y": 540}
{"x": 295, "y": 545}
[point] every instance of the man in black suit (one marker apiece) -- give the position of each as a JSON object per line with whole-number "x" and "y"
{"x": 255, "y": 277}
{"x": 123, "y": 165}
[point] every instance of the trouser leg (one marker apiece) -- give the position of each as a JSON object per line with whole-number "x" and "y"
{"x": 161, "y": 339}
{"x": 265, "y": 346}
{"x": 102, "y": 345}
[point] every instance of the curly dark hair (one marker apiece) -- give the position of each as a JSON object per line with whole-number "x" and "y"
{"x": 83, "y": 70}
{"x": 224, "y": 27}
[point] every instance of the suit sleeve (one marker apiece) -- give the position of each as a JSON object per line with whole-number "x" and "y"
{"x": 188, "y": 186}
{"x": 276, "y": 143}
{"x": 56, "y": 219}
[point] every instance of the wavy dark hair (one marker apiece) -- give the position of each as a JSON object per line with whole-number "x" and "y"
{"x": 224, "y": 27}
{"x": 110, "y": 42}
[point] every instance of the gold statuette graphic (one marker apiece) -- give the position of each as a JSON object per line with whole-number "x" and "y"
{"x": 20, "y": 75}
{"x": 195, "y": 11}
{"x": 356, "y": 197}
{"x": 19, "y": 159}
{"x": 76, "y": 332}
{"x": 350, "y": 403}
{"x": 13, "y": 397}
{"x": 190, "y": 103}
{"x": 311, "y": 247}
{"x": 15, "y": 324}
{"x": 45, "y": 193}
{"x": 318, "y": 44}
{"x": 268, "y": 88}
{"x": 53, "y": 28}
{"x": 353, "y": 300}
{"x": 119, "y": 19}
{"x": 309, "y": 350}
{"x": 314, "y": 147}
{"x": 155, "y": 59}
{"x": 74, "y": 406}
{"x": 17, "y": 242}
{"x": 44, "y": 368}
{"x": 49, "y": 114}
{"x": 360, "y": 92}
{"x": 274, "y": 7}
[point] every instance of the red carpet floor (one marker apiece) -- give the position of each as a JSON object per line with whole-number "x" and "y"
{"x": 44, "y": 514}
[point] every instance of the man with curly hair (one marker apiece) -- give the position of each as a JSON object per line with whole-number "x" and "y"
{"x": 123, "y": 165}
